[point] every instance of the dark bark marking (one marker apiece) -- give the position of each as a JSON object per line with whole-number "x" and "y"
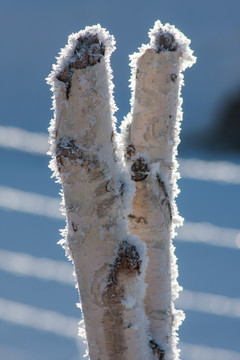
{"x": 112, "y": 136}
{"x": 74, "y": 226}
{"x": 121, "y": 187}
{"x": 165, "y": 200}
{"x": 67, "y": 148}
{"x": 173, "y": 77}
{"x": 127, "y": 262}
{"x": 165, "y": 41}
{"x": 88, "y": 52}
{"x": 156, "y": 349}
{"x": 130, "y": 151}
{"x": 137, "y": 72}
{"x": 140, "y": 169}
{"x": 138, "y": 219}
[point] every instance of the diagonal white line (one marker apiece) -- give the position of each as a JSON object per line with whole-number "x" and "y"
{"x": 23, "y": 201}
{"x": 37, "y": 318}
{"x": 17, "y": 200}
{"x": 219, "y": 171}
{"x": 41, "y": 268}
{"x": 209, "y": 234}
{"x": 60, "y": 271}
{"x": 37, "y": 143}
{"x": 201, "y": 352}
{"x": 66, "y": 326}
{"x": 45, "y": 320}
{"x": 18, "y": 139}
{"x": 209, "y": 303}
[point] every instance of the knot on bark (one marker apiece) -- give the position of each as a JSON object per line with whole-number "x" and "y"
{"x": 140, "y": 169}
{"x": 68, "y": 149}
{"x": 127, "y": 260}
{"x": 88, "y": 52}
{"x": 172, "y": 77}
{"x": 156, "y": 349}
{"x": 165, "y": 41}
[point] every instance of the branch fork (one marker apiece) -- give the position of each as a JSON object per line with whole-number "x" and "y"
{"x": 119, "y": 190}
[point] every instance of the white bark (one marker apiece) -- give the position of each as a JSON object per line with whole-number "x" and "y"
{"x": 106, "y": 241}
{"x": 150, "y": 145}
{"x": 109, "y": 263}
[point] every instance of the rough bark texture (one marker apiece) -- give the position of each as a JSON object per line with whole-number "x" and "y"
{"x": 152, "y": 135}
{"x": 106, "y": 242}
{"x": 107, "y": 260}
{"x": 150, "y": 146}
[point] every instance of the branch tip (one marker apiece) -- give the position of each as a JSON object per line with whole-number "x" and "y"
{"x": 88, "y": 52}
{"x": 165, "y": 41}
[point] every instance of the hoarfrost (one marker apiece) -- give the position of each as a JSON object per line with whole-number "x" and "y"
{"x": 120, "y": 166}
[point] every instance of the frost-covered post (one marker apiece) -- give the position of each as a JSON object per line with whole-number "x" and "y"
{"x": 119, "y": 189}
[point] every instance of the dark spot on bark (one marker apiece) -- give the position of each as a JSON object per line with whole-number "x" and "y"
{"x": 138, "y": 219}
{"x": 173, "y": 77}
{"x": 164, "y": 196}
{"x": 121, "y": 187}
{"x": 88, "y": 52}
{"x": 137, "y": 72}
{"x": 74, "y": 226}
{"x": 165, "y": 42}
{"x": 170, "y": 116}
{"x": 140, "y": 169}
{"x": 156, "y": 349}
{"x": 130, "y": 151}
{"x": 112, "y": 136}
{"x": 68, "y": 149}
{"x": 127, "y": 260}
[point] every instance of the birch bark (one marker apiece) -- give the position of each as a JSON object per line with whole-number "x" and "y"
{"x": 104, "y": 174}
{"x": 150, "y": 138}
{"x": 109, "y": 263}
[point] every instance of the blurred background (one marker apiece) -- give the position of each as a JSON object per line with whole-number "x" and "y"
{"x": 38, "y": 313}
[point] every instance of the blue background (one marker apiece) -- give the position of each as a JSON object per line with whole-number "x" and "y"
{"x": 31, "y": 35}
